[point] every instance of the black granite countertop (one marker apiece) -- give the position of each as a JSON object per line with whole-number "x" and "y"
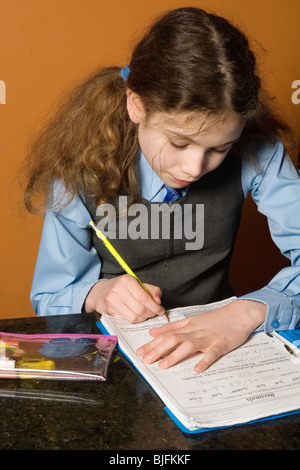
{"x": 120, "y": 414}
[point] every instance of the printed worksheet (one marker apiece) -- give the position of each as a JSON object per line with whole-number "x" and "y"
{"x": 257, "y": 380}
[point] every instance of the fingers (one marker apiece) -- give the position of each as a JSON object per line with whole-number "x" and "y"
{"x": 175, "y": 348}
{"x": 153, "y": 350}
{"x": 178, "y": 354}
{"x": 126, "y": 307}
{"x": 155, "y": 292}
{"x": 213, "y": 333}
{"x": 124, "y": 297}
{"x": 176, "y": 341}
{"x": 208, "y": 359}
{"x": 170, "y": 348}
{"x": 143, "y": 303}
{"x": 157, "y": 348}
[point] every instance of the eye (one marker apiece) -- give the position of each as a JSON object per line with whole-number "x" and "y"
{"x": 221, "y": 150}
{"x": 179, "y": 147}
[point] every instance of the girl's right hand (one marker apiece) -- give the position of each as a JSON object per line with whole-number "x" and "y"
{"x": 124, "y": 297}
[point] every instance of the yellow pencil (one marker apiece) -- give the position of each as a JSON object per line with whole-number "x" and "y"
{"x": 116, "y": 255}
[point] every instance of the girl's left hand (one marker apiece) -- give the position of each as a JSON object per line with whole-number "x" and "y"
{"x": 213, "y": 333}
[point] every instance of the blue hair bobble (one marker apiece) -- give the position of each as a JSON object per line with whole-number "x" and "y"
{"x": 125, "y": 72}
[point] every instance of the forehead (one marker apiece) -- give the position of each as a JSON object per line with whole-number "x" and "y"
{"x": 196, "y": 124}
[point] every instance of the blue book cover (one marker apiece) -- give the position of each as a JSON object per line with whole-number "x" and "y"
{"x": 278, "y": 412}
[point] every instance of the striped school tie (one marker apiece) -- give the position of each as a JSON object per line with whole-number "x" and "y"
{"x": 172, "y": 194}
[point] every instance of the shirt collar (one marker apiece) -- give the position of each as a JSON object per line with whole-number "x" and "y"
{"x": 150, "y": 182}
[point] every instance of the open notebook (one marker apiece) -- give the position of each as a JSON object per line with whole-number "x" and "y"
{"x": 259, "y": 380}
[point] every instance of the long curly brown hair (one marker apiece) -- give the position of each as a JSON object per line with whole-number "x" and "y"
{"x": 188, "y": 61}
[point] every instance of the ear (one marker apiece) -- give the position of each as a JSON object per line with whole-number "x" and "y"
{"x": 135, "y": 107}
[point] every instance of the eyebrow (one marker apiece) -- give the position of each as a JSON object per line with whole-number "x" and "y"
{"x": 229, "y": 143}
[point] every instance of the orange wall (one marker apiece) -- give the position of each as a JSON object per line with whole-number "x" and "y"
{"x": 46, "y": 45}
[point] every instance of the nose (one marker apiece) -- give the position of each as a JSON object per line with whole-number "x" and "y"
{"x": 194, "y": 165}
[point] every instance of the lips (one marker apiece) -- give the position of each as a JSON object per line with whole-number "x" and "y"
{"x": 182, "y": 182}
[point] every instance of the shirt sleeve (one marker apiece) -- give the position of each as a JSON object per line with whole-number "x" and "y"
{"x": 67, "y": 265}
{"x": 275, "y": 188}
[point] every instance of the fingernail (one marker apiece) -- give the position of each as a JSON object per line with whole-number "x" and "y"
{"x": 163, "y": 364}
{"x": 147, "y": 359}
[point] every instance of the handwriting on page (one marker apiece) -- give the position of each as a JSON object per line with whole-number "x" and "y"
{"x": 252, "y": 381}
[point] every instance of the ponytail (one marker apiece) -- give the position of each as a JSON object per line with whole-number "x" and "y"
{"x": 90, "y": 145}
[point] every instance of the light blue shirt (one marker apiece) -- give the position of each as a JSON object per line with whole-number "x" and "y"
{"x": 68, "y": 265}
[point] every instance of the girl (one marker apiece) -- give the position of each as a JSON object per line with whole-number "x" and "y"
{"x": 188, "y": 113}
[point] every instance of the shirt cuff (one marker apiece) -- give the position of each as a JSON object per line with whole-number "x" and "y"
{"x": 79, "y": 298}
{"x": 281, "y": 313}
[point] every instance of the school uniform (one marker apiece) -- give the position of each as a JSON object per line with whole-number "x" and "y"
{"x": 71, "y": 259}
